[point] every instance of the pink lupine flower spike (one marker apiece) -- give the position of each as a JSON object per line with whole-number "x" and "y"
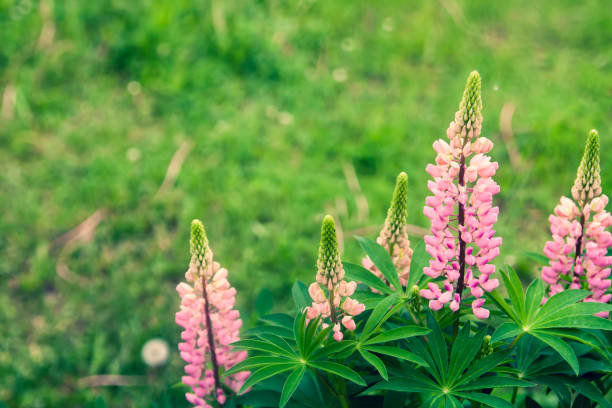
{"x": 462, "y": 216}
{"x": 580, "y": 242}
{"x": 210, "y": 325}
{"x": 335, "y": 307}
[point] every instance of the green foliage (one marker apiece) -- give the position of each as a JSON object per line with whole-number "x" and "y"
{"x": 562, "y": 316}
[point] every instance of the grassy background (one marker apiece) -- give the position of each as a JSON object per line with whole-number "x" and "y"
{"x": 273, "y": 101}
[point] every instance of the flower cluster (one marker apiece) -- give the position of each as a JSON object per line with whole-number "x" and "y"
{"x": 210, "y": 325}
{"x": 394, "y": 236}
{"x": 461, "y": 212}
{"x": 580, "y": 242}
{"x": 335, "y": 305}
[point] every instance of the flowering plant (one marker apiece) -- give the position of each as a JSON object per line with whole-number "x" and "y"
{"x": 380, "y": 335}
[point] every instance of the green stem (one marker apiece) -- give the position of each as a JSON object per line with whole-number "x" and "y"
{"x": 341, "y": 398}
{"x": 516, "y": 339}
{"x": 514, "y": 394}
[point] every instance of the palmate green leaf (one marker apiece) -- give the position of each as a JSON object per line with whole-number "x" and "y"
{"x": 493, "y": 382}
{"x": 339, "y": 370}
{"x": 278, "y": 341}
{"x": 488, "y": 400}
{"x": 291, "y": 385}
{"x": 416, "y": 383}
{"x": 381, "y": 258}
{"x": 560, "y": 347}
{"x": 299, "y": 331}
{"x": 256, "y": 361}
{"x": 587, "y": 389}
{"x": 463, "y": 351}
{"x": 537, "y": 257}
{"x": 578, "y": 318}
{"x": 419, "y": 260}
{"x": 334, "y": 348}
{"x": 515, "y": 291}
{"x": 278, "y": 319}
{"x": 269, "y": 329}
{"x": 317, "y": 340}
{"x": 397, "y": 353}
{"x": 437, "y": 347}
{"x": 369, "y": 299}
{"x": 557, "y": 385}
{"x": 261, "y": 345}
{"x": 360, "y": 274}
{"x": 419, "y": 347}
{"x": 506, "y": 331}
{"x": 376, "y": 317}
{"x": 258, "y": 398}
{"x": 533, "y": 298}
{"x": 300, "y": 294}
{"x": 398, "y": 333}
{"x": 376, "y": 362}
{"x": 267, "y": 372}
{"x": 502, "y": 305}
{"x": 484, "y": 365}
{"x": 561, "y": 300}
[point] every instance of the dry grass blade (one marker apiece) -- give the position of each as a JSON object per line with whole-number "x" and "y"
{"x": 174, "y": 167}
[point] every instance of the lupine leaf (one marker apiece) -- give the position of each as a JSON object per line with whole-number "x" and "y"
{"x": 493, "y": 382}
{"x": 318, "y": 340}
{"x": 537, "y": 257}
{"x": 560, "y": 347}
{"x": 256, "y": 361}
{"x": 377, "y": 314}
{"x": 369, "y": 299}
{"x": 309, "y": 333}
{"x": 533, "y": 298}
{"x": 397, "y": 353}
{"x": 419, "y": 260}
{"x": 376, "y": 362}
{"x": 267, "y": 372}
{"x": 463, "y": 352}
{"x": 484, "y": 365}
{"x": 381, "y": 258}
{"x": 278, "y": 319}
{"x": 269, "y": 329}
{"x": 261, "y": 346}
{"x": 339, "y": 370}
{"x": 418, "y": 346}
{"x": 558, "y": 386}
{"x": 502, "y": 305}
{"x": 505, "y": 331}
{"x": 278, "y": 341}
{"x": 398, "y": 333}
{"x": 577, "y": 321}
{"x": 587, "y": 389}
{"x": 299, "y": 291}
{"x": 405, "y": 384}
{"x": 437, "y": 347}
{"x": 361, "y": 274}
{"x": 561, "y": 300}
{"x": 485, "y": 399}
{"x": 335, "y": 347}
{"x": 291, "y": 384}
{"x": 259, "y": 398}
{"x": 515, "y": 291}
{"x": 299, "y": 329}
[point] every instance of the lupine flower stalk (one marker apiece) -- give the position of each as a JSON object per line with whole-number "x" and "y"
{"x": 210, "y": 325}
{"x": 462, "y": 242}
{"x": 580, "y": 241}
{"x": 394, "y": 236}
{"x": 331, "y": 293}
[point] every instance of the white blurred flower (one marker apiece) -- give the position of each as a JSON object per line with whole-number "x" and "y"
{"x": 285, "y": 118}
{"x": 133, "y": 154}
{"x": 134, "y": 88}
{"x": 340, "y": 75}
{"x": 155, "y": 352}
{"x": 387, "y": 24}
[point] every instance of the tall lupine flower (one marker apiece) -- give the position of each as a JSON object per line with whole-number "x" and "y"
{"x": 210, "y": 325}
{"x": 331, "y": 293}
{"x": 394, "y": 236}
{"x": 580, "y": 241}
{"x": 461, "y": 211}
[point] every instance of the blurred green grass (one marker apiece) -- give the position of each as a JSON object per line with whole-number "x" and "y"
{"x": 276, "y": 99}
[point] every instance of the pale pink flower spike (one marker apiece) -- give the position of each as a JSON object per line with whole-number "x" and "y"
{"x": 210, "y": 325}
